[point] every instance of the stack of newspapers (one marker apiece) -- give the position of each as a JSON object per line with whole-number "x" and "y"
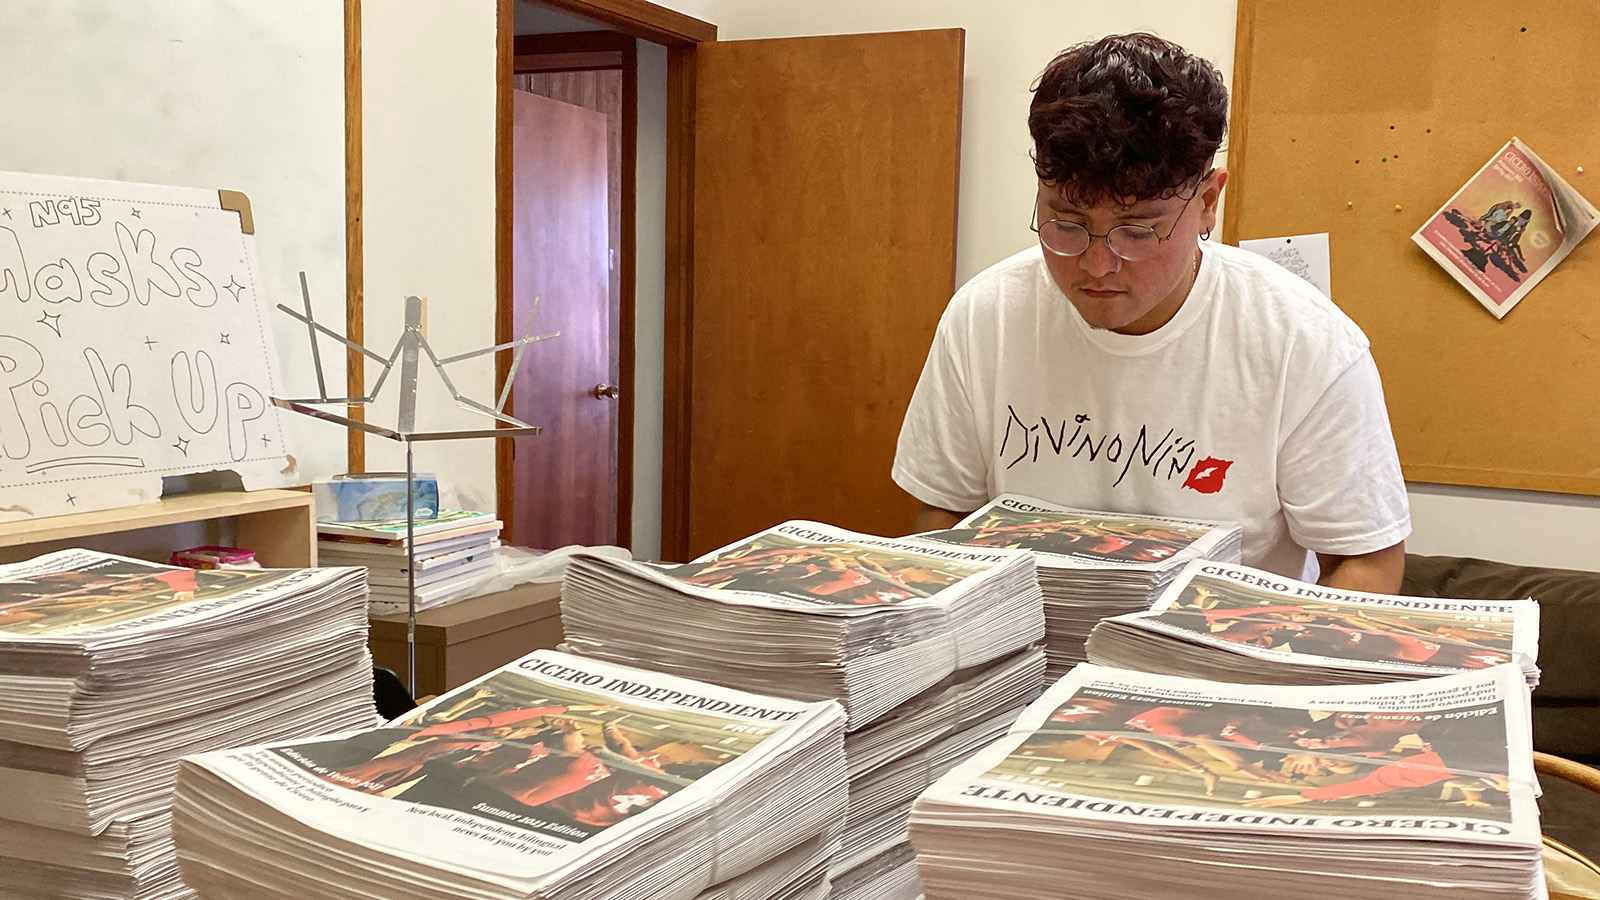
{"x": 551, "y": 777}
{"x": 895, "y": 758}
{"x": 1122, "y": 784}
{"x": 928, "y": 647}
{"x": 1232, "y": 623}
{"x": 453, "y": 553}
{"x": 1091, "y": 564}
{"x": 809, "y": 611}
{"x": 112, "y": 668}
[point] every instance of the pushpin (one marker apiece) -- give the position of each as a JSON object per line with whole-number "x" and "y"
{"x": 1349, "y": 204}
{"x": 1397, "y": 207}
{"x": 1580, "y": 170}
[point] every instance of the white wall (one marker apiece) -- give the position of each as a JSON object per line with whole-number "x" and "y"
{"x": 428, "y": 108}
{"x": 230, "y": 94}
{"x": 1524, "y": 527}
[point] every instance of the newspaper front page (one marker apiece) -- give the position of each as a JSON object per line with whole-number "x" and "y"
{"x": 533, "y": 770}
{"x": 84, "y": 597}
{"x": 1265, "y": 616}
{"x": 1449, "y": 757}
{"x": 1063, "y": 536}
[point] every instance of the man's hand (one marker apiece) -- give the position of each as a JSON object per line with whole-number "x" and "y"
{"x": 932, "y": 518}
{"x": 1378, "y": 572}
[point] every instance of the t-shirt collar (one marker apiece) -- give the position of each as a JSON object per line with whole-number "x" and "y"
{"x": 1193, "y": 307}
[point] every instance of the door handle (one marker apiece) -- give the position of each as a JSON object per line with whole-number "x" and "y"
{"x": 606, "y": 391}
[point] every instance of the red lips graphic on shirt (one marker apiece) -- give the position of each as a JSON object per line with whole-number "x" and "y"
{"x": 1208, "y": 474}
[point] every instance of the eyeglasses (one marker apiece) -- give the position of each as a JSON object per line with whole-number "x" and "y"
{"x": 1129, "y": 242}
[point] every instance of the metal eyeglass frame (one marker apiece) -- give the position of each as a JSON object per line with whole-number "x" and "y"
{"x": 1061, "y": 224}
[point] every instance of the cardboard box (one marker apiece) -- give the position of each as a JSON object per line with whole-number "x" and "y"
{"x": 461, "y": 641}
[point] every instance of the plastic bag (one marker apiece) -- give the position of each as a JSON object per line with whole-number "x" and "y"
{"x": 518, "y": 565}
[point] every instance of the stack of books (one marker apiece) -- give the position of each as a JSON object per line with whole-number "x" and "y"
{"x": 1233, "y": 623}
{"x": 454, "y": 552}
{"x": 929, "y": 648}
{"x": 111, "y": 668}
{"x": 1091, "y": 564}
{"x": 552, "y": 777}
{"x": 1124, "y": 784}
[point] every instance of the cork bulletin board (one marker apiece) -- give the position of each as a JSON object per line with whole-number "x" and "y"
{"x": 1361, "y": 118}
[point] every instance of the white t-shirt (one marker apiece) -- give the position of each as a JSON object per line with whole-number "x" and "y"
{"x": 1257, "y": 403}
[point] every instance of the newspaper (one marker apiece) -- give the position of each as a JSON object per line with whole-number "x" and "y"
{"x": 1446, "y": 758}
{"x": 830, "y": 571}
{"x": 544, "y": 767}
{"x": 1264, "y": 616}
{"x": 1076, "y": 538}
{"x": 809, "y": 611}
{"x": 84, "y": 597}
{"x": 1507, "y": 227}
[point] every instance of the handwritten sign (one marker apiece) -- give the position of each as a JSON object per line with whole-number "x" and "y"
{"x": 133, "y": 345}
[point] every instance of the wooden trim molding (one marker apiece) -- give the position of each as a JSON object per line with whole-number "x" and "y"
{"x": 1238, "y": 121}
{"x": 505, "y": 33}
{"x": 354, "y": 271}
{"x": 637, "y": 18}
{"x": 572, "y": 42}
{"x": 677, "y": 375}
{"x": 627, "y": 278}
{"x": 598, "y": 60}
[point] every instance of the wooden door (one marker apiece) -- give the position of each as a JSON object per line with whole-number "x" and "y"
{"x": 824, "y": 252}
{"x": 563, "y": 481}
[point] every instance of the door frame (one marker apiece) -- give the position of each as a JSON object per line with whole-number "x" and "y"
{"x": 680, "y": 34}
{"x": 576, "y": 51}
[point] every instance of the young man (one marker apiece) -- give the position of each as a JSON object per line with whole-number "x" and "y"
{"x": 1121, "y": 365}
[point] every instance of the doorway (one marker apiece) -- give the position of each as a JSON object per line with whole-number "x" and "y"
{"x": 573, "y": 112}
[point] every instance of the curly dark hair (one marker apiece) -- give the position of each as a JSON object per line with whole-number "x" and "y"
{"x": 1126, "y": 118}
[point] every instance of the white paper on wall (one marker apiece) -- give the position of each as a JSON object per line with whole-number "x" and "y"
{"x": 133, "y": 345}
{"x": 1305, "y": 255}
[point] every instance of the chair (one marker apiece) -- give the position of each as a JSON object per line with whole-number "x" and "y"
{"x": 1569, "y": 874}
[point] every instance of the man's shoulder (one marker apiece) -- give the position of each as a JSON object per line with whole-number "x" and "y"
{"x": 1018, "y": 275}
{"x": 1275, "y": 301}
{"x": 1010, "y": 286}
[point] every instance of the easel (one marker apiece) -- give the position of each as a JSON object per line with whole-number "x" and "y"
{"x": 407, "y": 351}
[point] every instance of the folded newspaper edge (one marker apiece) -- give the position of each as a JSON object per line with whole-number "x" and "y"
{"x": 978, "y": 782}
{"x": 987, "y": 563}
{"x": 497, "y": 849}
{"x": 1213, "y": 534}
{"x": 1522, "y": 616}
{"x": 264, "y": 584}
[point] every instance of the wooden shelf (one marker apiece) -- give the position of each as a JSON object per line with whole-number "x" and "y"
{"x": 281, "y": 526}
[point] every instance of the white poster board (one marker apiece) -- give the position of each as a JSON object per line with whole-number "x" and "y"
{"x": 133, "y": 345}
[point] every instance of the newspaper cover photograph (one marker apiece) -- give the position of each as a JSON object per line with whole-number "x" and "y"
{"x": 550, "y": 772}
{"x": 841, "y": 573}
{"x": 533, "y": 753}
{"x": 1507, "y": 227}
{"x": 1248, "y": 612}
{"x": 1015, "y": 522}
{"x": 1130, "y": 747}
{"x": 77, "y": 591}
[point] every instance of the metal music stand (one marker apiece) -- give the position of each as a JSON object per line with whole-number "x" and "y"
{"x": 407, "y": 352}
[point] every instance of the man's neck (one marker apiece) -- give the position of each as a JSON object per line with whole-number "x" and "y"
{"x": 1164, "y": 311}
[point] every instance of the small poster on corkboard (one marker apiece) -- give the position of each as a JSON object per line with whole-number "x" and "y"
{"x": 1507, "y": 227}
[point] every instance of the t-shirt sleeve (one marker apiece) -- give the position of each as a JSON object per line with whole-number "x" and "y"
{"x": 1338, "y": 473}
{"x": 938, "y": 458}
